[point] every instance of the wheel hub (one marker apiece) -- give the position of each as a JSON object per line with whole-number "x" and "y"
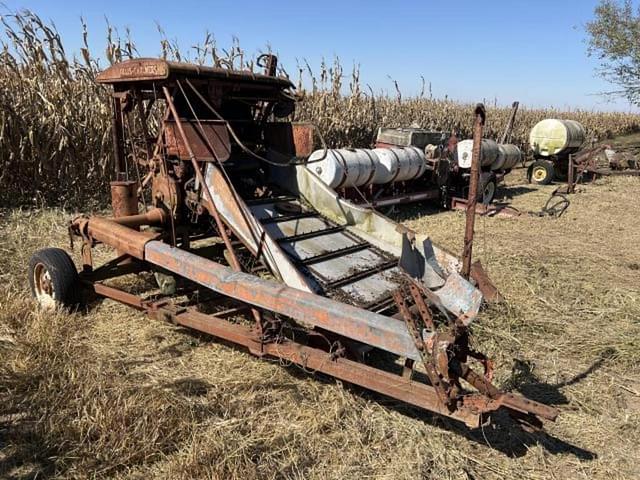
{"x": 539, "y": 173}
{"x": 45, "y": 294}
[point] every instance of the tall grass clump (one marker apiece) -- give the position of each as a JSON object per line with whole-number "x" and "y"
{"x": 55, "y": 127}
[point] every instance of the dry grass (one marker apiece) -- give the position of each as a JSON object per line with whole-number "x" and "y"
{"x": 112, "y": 394}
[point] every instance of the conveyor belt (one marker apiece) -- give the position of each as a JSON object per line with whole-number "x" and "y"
{"x": 337, "y": 262}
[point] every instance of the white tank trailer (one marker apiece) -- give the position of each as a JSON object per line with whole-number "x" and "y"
{"x": 360, "y": 167}
{"x": 493, "y": 156}
{"x": 391, "y": 173}
{"x": 552, "y": 141}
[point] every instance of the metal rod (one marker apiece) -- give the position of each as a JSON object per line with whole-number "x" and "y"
{"x": 571, "y": 186}
{"x": 506, "y": 135}
{"x": 473, "y": 191}
{"x": 117, "y": 135}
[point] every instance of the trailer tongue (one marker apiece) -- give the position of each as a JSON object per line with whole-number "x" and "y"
{"x": 332, "y": 286}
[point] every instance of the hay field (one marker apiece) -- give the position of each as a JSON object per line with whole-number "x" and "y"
{"x": 112, "y": 394}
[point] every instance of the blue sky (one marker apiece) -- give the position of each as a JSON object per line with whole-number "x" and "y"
{"x": 532, "y": 51}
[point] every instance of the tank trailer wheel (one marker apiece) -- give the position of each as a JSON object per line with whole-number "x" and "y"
{"x": 54, "y": 279}
{"x": 541, "y": 172}
{"x": 487, "y": 188}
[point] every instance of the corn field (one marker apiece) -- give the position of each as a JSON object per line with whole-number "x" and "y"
{"x": 55, "y": 138}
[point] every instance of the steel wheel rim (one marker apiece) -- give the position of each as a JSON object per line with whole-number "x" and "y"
{"x": 489, "y": 192}
{"x": 539, "y": 173}
{"x": 43, "y": 287}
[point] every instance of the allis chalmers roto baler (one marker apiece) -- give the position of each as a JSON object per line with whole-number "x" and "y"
{"x": 214, "y": 198}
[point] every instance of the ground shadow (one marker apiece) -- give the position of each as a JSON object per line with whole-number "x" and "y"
{"x": 526, "y": 382}
{"x": 25, "y": 455}
{"x": 503, "y": 434}
{"x": 512, "y": 192}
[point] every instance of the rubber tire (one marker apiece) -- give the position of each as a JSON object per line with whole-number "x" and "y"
{"x": 545, "y": 165}
{"x": 63, "y": 273}
{"x": 485, "y": 179}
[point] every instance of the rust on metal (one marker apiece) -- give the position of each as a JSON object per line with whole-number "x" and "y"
{"x": 155, "y": 216}
{"x": 293, "y": 139}
{"x": 353, "y": 322}
{"x": 353, "y": 281}
{"x": 155, "y": 69}
{"x": 484, "y": 283}
{"x": 473, "y": 190}
{"x": 216, "y": 135}
{"x": 120, "y": 237}
{"x": 124, "y": 198}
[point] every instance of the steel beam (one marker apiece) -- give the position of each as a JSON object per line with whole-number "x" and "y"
{"x": 367, "y": 327}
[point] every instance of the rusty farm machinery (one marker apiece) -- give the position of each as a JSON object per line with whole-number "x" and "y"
{"x": 216, "y": 198}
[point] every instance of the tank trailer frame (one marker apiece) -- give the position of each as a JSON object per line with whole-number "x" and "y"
{"x": 213, "y": 229}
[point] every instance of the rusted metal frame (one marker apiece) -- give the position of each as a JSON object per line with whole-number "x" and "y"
{"x": 473, "y": 191}
{"x": 163, "y": 163}
{"x": 311, "y": 359}
{"x": 117, "y": 136}
{"x": 156, "y": 216}
{"x": 435, "y": 380}
{"x": 121, "y": 296}
{"x": 418, "y": 394}
{"x": 258, "y": 239}
{"x": 422, "y": 307}
{"x": 317, "y": 360}
{"x": 123, "y": 239}
{"x": 509, "y": 400}
{"x": 359, "y": 275}
{"x": 312, "y": 234}
{"x": 307, "y": 308}
{"x": 286, "y": 218}
{"x": 214, "y": 211}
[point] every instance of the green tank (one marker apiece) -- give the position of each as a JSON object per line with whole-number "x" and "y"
{"x": 553, "y": 137}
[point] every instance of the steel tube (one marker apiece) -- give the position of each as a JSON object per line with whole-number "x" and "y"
{"x": 367, "y": 327}
{"x": 155, "y": 216}
{"x": 123, "y": 239}
{"x": 473, "y": 191}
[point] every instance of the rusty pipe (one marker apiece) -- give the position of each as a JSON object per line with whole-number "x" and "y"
{"x": 155, "y": 216}
{"x": 122, "y": 238}
{"x": 473, "y": 191}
